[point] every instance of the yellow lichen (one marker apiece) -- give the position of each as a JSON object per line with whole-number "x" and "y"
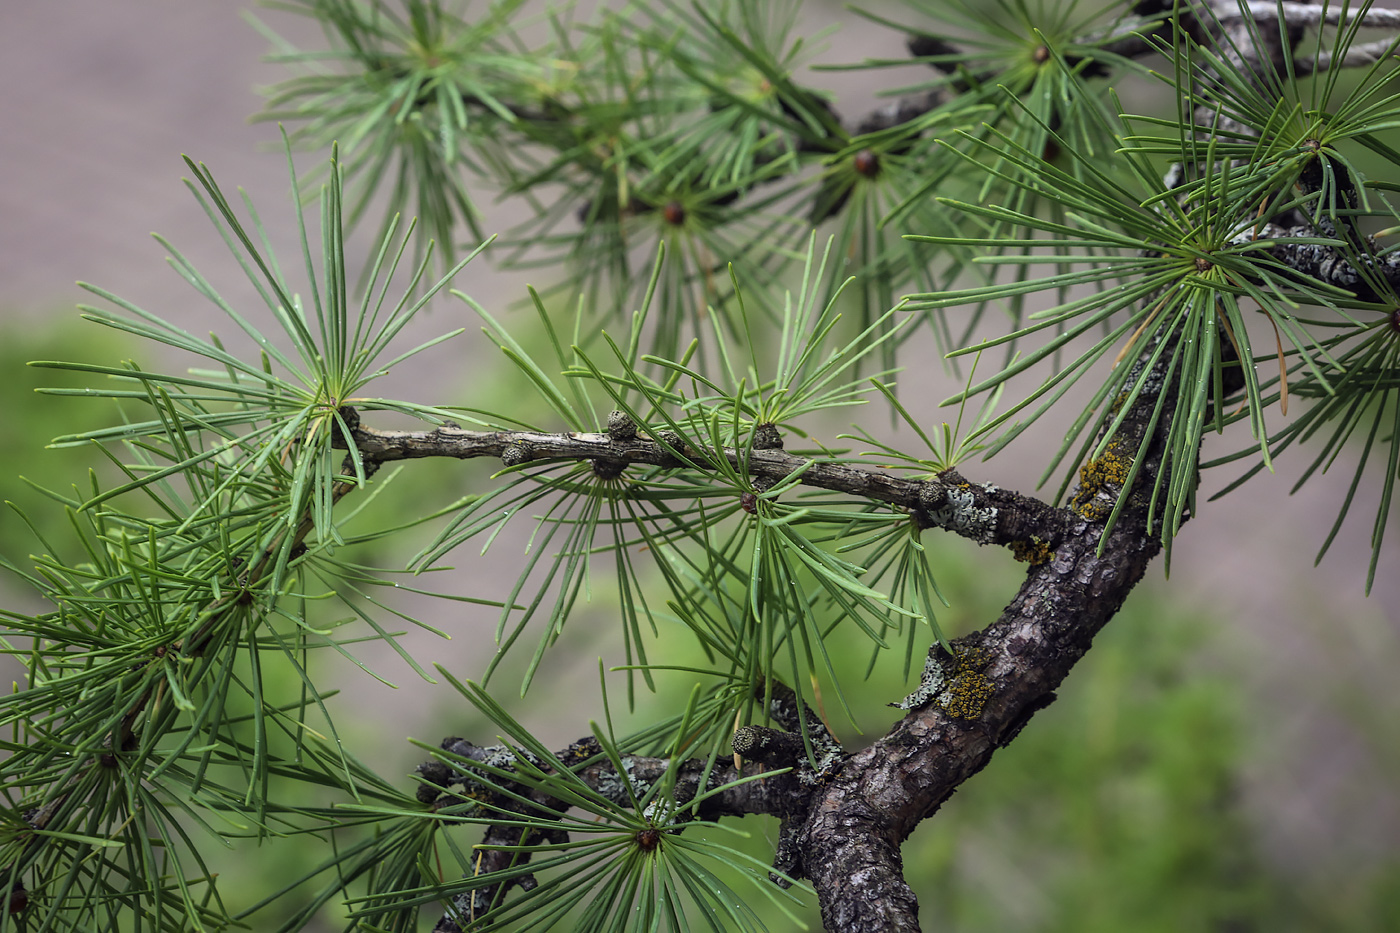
{"x": 1107, "y": 471}
{"x": 1110, "y": 469}
{"x": 968, "y": 689}
{"x": 1034, "y": 550}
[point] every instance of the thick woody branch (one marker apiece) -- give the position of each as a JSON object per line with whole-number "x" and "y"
{"x": 1356, "y": 56}
{"x": 1000, "y": 678}
{"x": 977, "y": 700}
{"x": 1309, "y": 14}
{"x": 974, "y": 702}
{"x": 779, "y": 795}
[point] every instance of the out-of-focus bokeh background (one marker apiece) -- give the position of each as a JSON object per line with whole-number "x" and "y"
{"x": 1226, "y": 759}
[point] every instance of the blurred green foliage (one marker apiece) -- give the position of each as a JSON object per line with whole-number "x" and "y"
{"x": 31, "y": 420}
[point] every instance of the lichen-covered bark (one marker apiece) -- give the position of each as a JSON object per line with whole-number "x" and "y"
{"x": 977, "y": 701}
{"x": 983, "y": 512}
{"x": 851, "y": 840}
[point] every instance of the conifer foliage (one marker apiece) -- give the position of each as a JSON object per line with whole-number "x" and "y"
{"x": 730, "y": 254}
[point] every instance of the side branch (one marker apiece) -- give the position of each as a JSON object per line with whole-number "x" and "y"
{"x": 981, "y": 512}
{"x": 1329, "y": 264}
{"x": 717, "y": 790}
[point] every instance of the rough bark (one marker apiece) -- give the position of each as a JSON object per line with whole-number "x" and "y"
{"x": 1001, "y": 677}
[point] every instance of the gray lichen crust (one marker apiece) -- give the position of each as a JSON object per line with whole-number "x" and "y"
{"x": 615, "y": 787}
{"x": 960, "y": 513}
{"x": 931, "y": 683}
{"x": 956, "y": 684}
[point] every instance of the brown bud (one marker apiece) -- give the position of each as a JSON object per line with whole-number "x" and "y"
{"x": 866, "y": 163}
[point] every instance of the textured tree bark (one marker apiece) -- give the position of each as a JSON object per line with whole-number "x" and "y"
{"x": 1004, "y": 674}
{"x": 974, "y": 703}
{"x": 982, "y": 512}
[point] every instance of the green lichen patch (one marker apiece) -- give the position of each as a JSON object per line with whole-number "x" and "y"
{"x": 957, "y": 685}
{"x": 1033, "y": 550}
{"x": 968, "y": 689}
{"x": 1103, "y": 474}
